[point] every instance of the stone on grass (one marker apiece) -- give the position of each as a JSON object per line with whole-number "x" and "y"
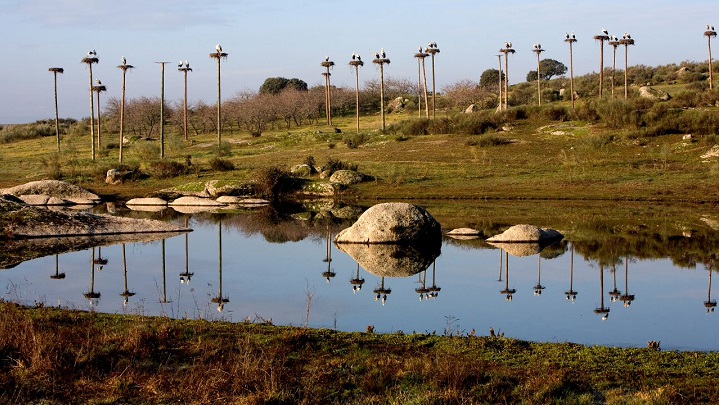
{"x": 393, "y": 223}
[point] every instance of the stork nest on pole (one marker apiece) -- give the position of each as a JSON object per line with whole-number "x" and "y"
{"x": 356, "y": 63}
{"x": 614, "y": 44}
{"x": 627, "y": 41}
{"x": 326, "y": 74}
{"x": 601, "y": 37}
{"x": 432, "y": 51}
{"x": 56, "y": 69}
{"x": 381, "y": 61}
{"x": 327, "y": 64}
{"x": 507, "y": 50}
{"x": 538, "y": 51}
{"x": 570, "y": 40}
{"x": 183, "y": 69}
{"x": 99, "y": 88}
{"x": 421, "y": 55}
{"x": 125, "y": 67}
{"x": 90, "y": 60}
{"x": 218, "y": 55}
{"x": 710, "y": 33}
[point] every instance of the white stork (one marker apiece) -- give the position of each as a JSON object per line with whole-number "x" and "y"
{"x": 218, "y": 48}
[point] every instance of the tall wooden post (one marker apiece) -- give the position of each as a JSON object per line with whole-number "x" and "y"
{"x": 184, "y": 67}
{"x": 570, "y": 39}
{"x": 602, "y": 38}
{"x": 356, "y": 62}
{"x": 507, "y": 50}
{"x": 124, "y": 67}
{"x": 537, "y": 49}
{"x": 500, "y": 82}
{"x": 327, "y": 64}
{"x": 89, "y": 60}
{"x": 218, "y": 54}
{"x": 626, "y": 40}
{"x": 710, "y": 33}
{"x": 614, "y": 42}
{"x": 381, "y": 60}
{"x": 162, "y": 108}
{"x": 98, "y": 89}
{"x": 420, "y": 55}
{"x": 55, "y": 71}
{"x": 432, "y": 49}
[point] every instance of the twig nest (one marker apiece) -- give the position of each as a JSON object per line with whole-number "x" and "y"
{"x": 393, "y": 223}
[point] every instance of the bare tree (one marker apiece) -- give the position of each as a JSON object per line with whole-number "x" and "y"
{"x": 218, "y": 55}
{"x": 381, "y": 60}
{"x": 185, "y": 68}
{"x": 570, "y": 39}
{"x": 709, "y": 33}
{"x": 55, "y": 71}
{"x": 327, "y": 64}
{"x": 420, "y": 55}
{"x": 602, "y": 38}
{"x": 432, "y": 49}
{"x": 537, "y": 49}
{"x": 89, "y": 60}
{"x": 124, "y": 67}
{"x": 506, "y": 50}
{"x": 356, "y": 62}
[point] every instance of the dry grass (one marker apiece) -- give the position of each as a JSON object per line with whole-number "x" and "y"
{"x": 67, "y": 356}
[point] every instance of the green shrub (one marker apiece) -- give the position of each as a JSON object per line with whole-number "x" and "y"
{"x": 222, "y": 150}
{"x": 165, "y": 169}
{"x": 477, "y": 124}
{"x": 415, "y": 126}
{"x": 334, "y": 165}
{"x": 440, "y": 126}
{"x": 273, "y": 182}
{"x": 221, "y": 165}
{"x": 616, "y": 113}
{"x": 355, "y": 140}
{"x": 490, "y": 140}
{"x": 52, "y": 166}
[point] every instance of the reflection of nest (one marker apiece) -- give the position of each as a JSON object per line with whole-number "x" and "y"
{"x": 392, "y": 260}
{"x": 92, "y": 295}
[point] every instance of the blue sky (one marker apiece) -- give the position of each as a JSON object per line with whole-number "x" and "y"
{"x": 290, "y": 39}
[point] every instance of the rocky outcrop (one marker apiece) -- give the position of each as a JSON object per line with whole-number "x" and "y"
{"x": 196, "y": 201}
{"x": 526, "y": 234}
{"x": 653, "y": 94}
{"x": 54, "y": 188}
{"x": 346, "y": 177}
{"x": 153, "y": 201}
{"x": 393, "y": 223}
{"x": 19, "y": 220}
{"x": 464, "y": 233}
{"x": 471, "y": 109}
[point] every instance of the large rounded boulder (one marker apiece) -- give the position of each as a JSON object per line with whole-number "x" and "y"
{"x": 393, "y": 223}
{"x": 526, "y": 234}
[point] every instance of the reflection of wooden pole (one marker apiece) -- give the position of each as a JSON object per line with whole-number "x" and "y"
{"x": 164, "y": 286}
{"x": 501, "y": 266}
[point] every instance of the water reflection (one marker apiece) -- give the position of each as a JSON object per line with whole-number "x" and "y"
{"x": 126, "y": 294}
{"x": 279, "y": 256}
{"x": 220, "y": 299}
{"x": 57, "y": 275}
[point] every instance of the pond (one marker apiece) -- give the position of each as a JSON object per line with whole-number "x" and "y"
{"x": 622, "y": 285}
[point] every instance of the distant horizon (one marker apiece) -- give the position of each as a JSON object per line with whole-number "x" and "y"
{"x": 290, "y": 39}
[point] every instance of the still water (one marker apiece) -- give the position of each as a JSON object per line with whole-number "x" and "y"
{"x": 228, "y": 270}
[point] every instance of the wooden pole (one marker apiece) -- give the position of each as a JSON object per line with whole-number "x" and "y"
{"x": 614, "y": 42}
{"x": 185, "y": 68}
{"x": 92, "y": 109}
{"x": 218, "y": 54}
{"x": 710, "y": 33}
{"x": 626, "y": 40}
{"x": 162, "y": 108}
{"x": 356, "y": 63}
{"x": 500, "y": 82}
{"x": 508, "y": 49}
{"x": 538, "y": 51}
{"x": 327, "y": 64}
{"x": 432, "y": 50}
{"x": 381, "y": 60}
{"x": 55, "y": 71}
{"x": 570, "y": 40}
{"x": 420, "y": 55}
{"x": 124, "y": 67}
{"x": 602, "y": 39}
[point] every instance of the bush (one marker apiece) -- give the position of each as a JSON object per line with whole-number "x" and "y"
{"x": 273, "y": 182}
{"x": 334, "y": 165}
{"x": 223, "y": 149}
{"x": 490, "y": 140}
{"x": 354, "y": 140}
{"x": 221, "y": 165}
{"x": 165, "y": 169}
{"x": 52, "y": 166}
{"x": 479, "y": 123}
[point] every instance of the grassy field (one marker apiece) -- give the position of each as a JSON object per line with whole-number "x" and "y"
{"x": 52, "y": 356}
{"x": 533, "y": 158}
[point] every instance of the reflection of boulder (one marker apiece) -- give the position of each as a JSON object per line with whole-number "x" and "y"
{"x": 518, "y": 249}
{"x": 392, "y": 260}
{"x": 392, "y": 223}
{"x": 526, "y": 233}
